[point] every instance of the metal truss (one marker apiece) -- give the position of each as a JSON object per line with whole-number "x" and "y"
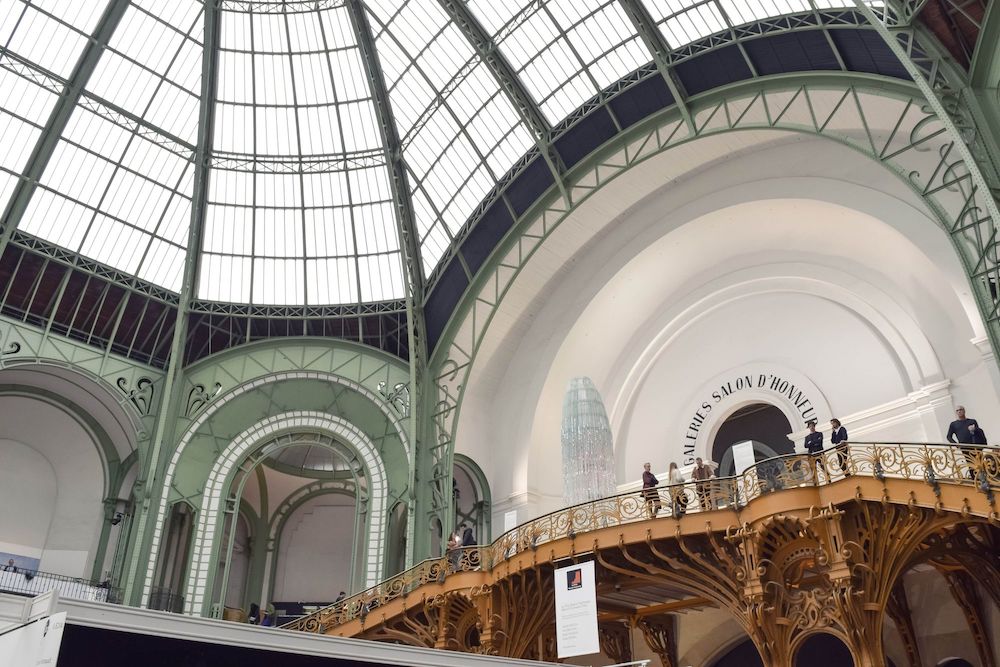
{"x": 311, "y": 164}
{"x": 657, "y": 45}
{"x": 294, "y": 312}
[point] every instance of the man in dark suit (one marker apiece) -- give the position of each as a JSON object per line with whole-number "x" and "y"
{"x": 814, "y": 445}
{"x": 963, "y": 431}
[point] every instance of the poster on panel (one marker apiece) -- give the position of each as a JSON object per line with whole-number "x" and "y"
{"x": 576, "y": 610}
{"x": 743, "y": 456}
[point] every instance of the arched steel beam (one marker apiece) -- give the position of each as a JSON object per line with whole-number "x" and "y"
{"x": 59, "y": 118}
{"x": 939, "y": 84}
{"x": 512, "y": 86}
{"x": 408, "y": 235}
{"x": 172, "y": 386}
{"x": 657, "y": 45}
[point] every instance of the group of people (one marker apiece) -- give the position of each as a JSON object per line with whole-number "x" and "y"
{"x": 701, "y": 474}
{"x": 838, "y": 438}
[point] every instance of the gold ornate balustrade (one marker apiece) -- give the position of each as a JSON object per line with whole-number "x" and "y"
{"x": 930, "y": 463}
{"x": 799, "y": 527}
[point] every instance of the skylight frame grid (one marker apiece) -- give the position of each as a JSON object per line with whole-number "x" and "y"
{"x": 170, "y": 104}
{"x": 563, "y": 39}
{"x": 50, "y": 30}
{"x": 442, "y": 156}
{"x": 60, "y": 179}
{"x": 347, "y": 102}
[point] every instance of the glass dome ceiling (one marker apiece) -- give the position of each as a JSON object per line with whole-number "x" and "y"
{"x": 100, "y": 145}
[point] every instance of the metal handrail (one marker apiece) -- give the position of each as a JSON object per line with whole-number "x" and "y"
{"x": 26, "y": 581}
{"x": 932, "y": 463}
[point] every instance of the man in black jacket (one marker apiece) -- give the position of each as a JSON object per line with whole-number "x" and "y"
{"x": 963, "y": 431}
{"x": 814, "y": 445}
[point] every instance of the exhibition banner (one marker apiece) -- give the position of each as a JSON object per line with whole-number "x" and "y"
{"x": 576, "y": 610}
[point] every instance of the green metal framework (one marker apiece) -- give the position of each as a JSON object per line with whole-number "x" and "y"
{"x": 942, "y": 141}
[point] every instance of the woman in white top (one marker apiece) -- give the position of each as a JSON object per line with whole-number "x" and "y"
{"x": 676, "y": 480}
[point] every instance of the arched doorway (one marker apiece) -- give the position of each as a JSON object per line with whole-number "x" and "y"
{"x": 823, "y": 650}
{"x": 471, "y": 497}
{"x": 311, "y": 491}
{"x": 761, "y": 423}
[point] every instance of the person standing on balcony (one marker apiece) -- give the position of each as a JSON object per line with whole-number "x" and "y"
{"x": 677, "y": 495}
{"x": 838, "y": 438}
{"x": 814, "y": 445}
{"x": 963, "y": 432}
{"x": 468, "y": 537}
{"x": 649, "y": 492}
{"x": 701, "y": 474}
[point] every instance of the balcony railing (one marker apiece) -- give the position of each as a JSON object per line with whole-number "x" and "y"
{"x": 978, "y": 467}
{"x": 33, "y": 582}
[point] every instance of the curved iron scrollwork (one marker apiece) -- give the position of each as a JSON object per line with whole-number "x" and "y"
{"x": 13, "y": 348}
{"x": 141, "y": 396}
{"x": 198, "y": 398}
{"x": 398, "y": 397}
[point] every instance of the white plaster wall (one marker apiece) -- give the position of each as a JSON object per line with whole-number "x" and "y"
{"x": 314, "y": 551}
{"x": 27, "y": 499}
{"x": 839, "y": 352}
{"x": 76, "y": 517}
{"x": 855, "y": 288}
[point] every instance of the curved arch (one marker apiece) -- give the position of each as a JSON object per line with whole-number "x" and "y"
{"x": 887, "y": 125}
{"x": 482, "y": 487}
{"x": 103, "y": 446}
{"x": 214, "y": 406}
{"x": 799, "y": 641}
{"x": 226, "y": 464}
{"x": 120, "y": 409}
{"x": 918, "y": 362}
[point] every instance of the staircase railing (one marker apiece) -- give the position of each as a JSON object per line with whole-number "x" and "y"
{"x": 933, "y": 464}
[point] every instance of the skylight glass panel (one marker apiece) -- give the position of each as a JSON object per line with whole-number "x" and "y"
{"x": 117, "y": 187}
{"x": 686, "y": 21}
{"x": 117, "y": 195}
{"x": 161, "y": 61}
{"x": 459, "y": 131}
{"x": 565, "y": 51}
{"x": 40, "y": 41}
{"x": 299, "y": 187}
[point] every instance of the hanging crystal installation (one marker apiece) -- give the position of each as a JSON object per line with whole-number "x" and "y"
{"x": 587, "y": 449}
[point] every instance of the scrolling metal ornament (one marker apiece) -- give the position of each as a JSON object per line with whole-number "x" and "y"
{"x": 141, "y": 396}
{"x": 198, "y": 398}
{"x": 13, "y": 348}
{"x": 398, "y": 397}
